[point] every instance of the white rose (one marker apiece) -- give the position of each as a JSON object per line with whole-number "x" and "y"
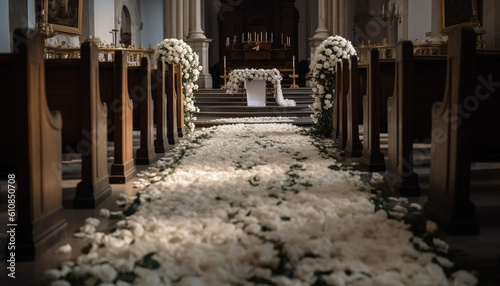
{"x": 104, "y": 213}
{"x": 105, "y": 272}
{"x": 92, "y": 221}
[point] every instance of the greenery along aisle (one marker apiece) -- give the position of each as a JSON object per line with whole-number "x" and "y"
{"x": 327, "y": 54}
{"x": 258, "y": 204}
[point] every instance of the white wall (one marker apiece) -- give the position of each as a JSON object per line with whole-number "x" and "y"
{"x": 104, "y": 15}
{"x": 4, "y": 27}
{"x": 419, "y": 19}
{"x": 152, "y": 20}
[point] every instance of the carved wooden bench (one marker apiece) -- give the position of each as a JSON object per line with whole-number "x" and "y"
{"x": 73, "y": 88}
{"x": 30, "y": 160}
{"x": 465, "y": 129}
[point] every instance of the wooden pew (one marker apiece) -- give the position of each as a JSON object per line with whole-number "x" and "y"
{"x": 180, "y": 101}
{"x": 113, "y": 85}
{"x": 166, "y": 114}
{"x": 139, "y": 86}
{"x": 73, "y": 88}
{"x": 419, "y": 83}
{"x": 340, "y": 103}
{"x": 354, "y": 146}
{"x": 30, "y": 160}
{"x": 465, "y": 128}
{"x": 380, "y": 85}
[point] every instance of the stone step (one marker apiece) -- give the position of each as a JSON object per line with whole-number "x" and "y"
{"x": 299, "y": 121}
{"x": 268, "y": 108}
{"x": 277, "y": 112}
{"x": 237, "y": 102}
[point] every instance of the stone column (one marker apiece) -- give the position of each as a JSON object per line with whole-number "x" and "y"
{"x": 186, "y": 17}
{"x": 199, "y": 43}
{"x": 171, "y": 16}
{"x": 180, "y": 19}
{"x": 321, "y": 32}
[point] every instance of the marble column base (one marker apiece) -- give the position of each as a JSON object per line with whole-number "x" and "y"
{"x": 200, "y": 46}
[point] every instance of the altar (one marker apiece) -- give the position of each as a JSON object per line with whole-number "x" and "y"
{"x": 254, "y": 83}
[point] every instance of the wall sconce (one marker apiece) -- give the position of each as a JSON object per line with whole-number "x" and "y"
{"x": 392, "y": 16}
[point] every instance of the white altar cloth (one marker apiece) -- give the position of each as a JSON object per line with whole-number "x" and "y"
{"x": 256, "y": 92}
{"x": 238, "y": 77}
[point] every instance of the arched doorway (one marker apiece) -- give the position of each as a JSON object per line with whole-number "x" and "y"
{"x": 126, "y": 28}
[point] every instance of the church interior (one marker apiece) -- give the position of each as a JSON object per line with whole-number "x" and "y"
{"x": 99, "y": 97}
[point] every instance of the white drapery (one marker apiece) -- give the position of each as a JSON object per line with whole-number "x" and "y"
{"x": 256, "y": 92}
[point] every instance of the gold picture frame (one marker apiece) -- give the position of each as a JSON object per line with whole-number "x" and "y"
{"x": 64, "y": 15}
{"x": 455, "y": 13}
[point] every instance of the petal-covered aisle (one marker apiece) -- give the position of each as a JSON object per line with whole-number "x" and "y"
{"x": 257, "y": 204}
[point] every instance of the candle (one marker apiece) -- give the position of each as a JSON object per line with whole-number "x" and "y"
{"x": 260, "y": 36}
{"x": 383, "y": 9}
{"x": 227, "y": 41}
{"x": 242, "y": 37}
{"x": 234, "y": 39}
{"x": 282, "y": 38}
{"x": 43, "y": 12}
{"x": 249, "y": 38}
{"x": 272, "y": 37}
{"x": 255, "y": 35}
{"x": 266, "y": 36}
{"x": 224, "y": 62}
{"x": 293, "y": 61}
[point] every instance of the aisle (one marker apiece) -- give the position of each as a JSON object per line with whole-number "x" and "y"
{"x": 257, "y": 204}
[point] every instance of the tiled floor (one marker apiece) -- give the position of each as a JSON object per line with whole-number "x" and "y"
{"x": 484, "y": 249}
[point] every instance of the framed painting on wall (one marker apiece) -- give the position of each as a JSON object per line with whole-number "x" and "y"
{"x": 64, "y": 15}
{"x": 456, "y": 13}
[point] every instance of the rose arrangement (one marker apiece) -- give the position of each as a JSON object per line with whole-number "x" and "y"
{"x": 322, "y": 68}
{"x": 175, "y": 51}
{"x": 238, "y": 76}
